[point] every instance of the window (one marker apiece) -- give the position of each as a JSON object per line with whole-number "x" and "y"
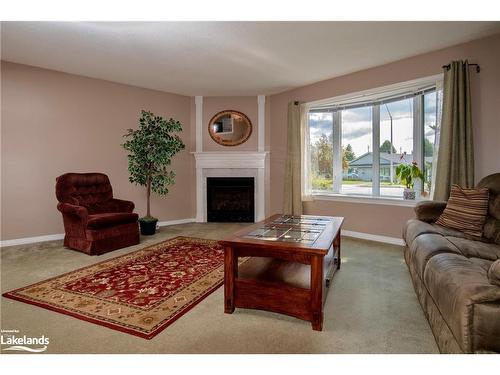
{"x": 431, "y": 115}
{"x": 356, "y": 142}
{"x": 321, "y": 151}
{"x": 396, "y": 143}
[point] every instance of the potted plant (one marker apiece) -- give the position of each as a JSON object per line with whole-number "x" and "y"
{"x": 407, "y": 173}
{"x": 151, "y": 148}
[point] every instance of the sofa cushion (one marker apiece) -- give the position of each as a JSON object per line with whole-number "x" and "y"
{"x": 477, "y": 249}
{"x": 494, "y": 273}
{"x": 415, "y": 228}
{"x": 425, "y": 247}
{"x": 466, "y": 210}
{"x": 109, "y": 219}
{"x": 456, "y": 284}
{"x": 485, "y": 264}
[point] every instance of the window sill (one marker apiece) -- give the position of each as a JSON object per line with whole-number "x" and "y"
{"x": 366, "y": 200}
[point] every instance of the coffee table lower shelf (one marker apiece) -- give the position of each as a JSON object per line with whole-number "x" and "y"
{"x": 268, "y": 291}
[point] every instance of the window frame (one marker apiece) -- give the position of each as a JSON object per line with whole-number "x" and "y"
{"x": 374, "y": 98}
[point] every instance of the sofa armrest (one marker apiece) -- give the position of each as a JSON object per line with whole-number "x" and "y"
{"x": 71, "y": 209}
{"x": 429, "y": 211}
{"x": 120, "y": 205}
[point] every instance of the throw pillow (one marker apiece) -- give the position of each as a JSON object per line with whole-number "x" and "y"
{"x": 466, "y": 210}
{"x": 494, "y": 273}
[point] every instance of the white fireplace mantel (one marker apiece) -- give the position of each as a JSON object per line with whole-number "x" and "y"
{"x": 230, "y": 159}
{"x": 230, "y": 164}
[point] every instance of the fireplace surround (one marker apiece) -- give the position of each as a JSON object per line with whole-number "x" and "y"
{"x": 231, "y": 164}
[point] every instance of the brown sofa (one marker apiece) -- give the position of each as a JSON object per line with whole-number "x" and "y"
{"x": 457, "y": 278}
{"x": 94, "y": 221}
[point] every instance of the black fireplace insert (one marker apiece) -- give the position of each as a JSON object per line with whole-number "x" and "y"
{"x": 230, "y": 199}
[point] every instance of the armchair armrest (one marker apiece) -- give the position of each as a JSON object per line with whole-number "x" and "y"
{"x": 119, "y": 205}
{"x": 71, "y": 209}
{"x": 429, "y": 211}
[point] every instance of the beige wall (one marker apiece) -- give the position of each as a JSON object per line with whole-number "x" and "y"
{"x": 382, "y": 219}
{"x": 376, "y": 219}
{"x": 54, "y": 123}
{"x": 245, "y": 104}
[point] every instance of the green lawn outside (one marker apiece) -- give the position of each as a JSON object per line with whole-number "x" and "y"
{"x": 320, "y": 183}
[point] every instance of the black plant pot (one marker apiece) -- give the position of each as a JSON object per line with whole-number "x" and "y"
{"x": 148, "y": 227}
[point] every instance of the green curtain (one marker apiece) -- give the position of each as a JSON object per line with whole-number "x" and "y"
{"x": 292, "y": 203}
{"x": 455, "y": 162}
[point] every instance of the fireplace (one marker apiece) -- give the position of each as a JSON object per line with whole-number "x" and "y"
{"x": 230, "y": 199}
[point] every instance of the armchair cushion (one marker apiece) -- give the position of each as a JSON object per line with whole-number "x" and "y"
{"x": 111, "y": 205}
{"x": 83, "y": 189}
{"x": 104, "y": 220}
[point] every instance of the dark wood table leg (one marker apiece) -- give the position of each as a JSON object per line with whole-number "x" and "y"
{"x": 230, "y": 273}
{"x": 336, "y": 245}
{"x": 317, "y": 292}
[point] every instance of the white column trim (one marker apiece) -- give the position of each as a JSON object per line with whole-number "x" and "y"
{"x": 261, "y": 124}
{"x": 200, "y": 203}
{"x": 261, "y": 195}
{"x": 198, "y": 101}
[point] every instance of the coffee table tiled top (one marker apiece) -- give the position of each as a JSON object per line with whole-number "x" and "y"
{"x": 307, "y": 232}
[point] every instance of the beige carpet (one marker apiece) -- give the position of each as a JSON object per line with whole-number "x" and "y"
{"x": 371, "y": 308}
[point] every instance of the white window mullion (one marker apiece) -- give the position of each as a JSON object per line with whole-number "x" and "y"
{"x": 337, "y": 152}
{"x": 376, "y": 151}
{"x": 418, "y": 142}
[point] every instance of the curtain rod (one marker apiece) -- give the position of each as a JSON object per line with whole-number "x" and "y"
{"x": 478, "y": 68}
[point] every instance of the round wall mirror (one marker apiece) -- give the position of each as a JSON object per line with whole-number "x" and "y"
{"x": 230, "y": 128}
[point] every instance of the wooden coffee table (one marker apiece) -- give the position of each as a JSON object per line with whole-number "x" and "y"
{"x": 292, "y": 261}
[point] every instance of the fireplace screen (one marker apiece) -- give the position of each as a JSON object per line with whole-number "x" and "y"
{"x": 230, "y": 199}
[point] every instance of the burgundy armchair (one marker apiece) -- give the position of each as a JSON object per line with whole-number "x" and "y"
{"x": 94, "y": 221}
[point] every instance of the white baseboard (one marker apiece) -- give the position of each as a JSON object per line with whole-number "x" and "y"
{"x": 26, "y": 240}
{"x": 53, "y": 237}
{"x": 175, "y": 222}
{"x": 374, "y": 237}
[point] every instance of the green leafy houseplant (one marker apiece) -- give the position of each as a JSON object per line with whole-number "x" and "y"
{"x": 406, "y": 174}
{"x": 151, "y": 148}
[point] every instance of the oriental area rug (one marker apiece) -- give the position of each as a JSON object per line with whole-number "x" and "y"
{"x": 140, "y": 293}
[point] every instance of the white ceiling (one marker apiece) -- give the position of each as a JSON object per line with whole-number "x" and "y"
{"x": 225, "y": 58}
